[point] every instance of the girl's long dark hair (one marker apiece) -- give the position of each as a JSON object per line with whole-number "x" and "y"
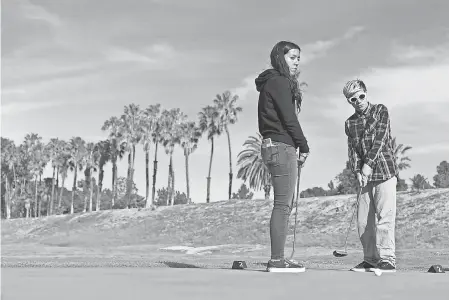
{"x": 278, "y": 63}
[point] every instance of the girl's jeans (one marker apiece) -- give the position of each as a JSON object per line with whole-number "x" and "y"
{"x": 282, "y": 163}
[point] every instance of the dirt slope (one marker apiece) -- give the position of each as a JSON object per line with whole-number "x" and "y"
{"x": 422, "y": 223}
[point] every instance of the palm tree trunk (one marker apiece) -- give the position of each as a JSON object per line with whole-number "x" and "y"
{"x": 153, "y": 192}
{"x": 57, "y": 178}
{"x": 97, "y": 195}
{"x": 39, "y": 206}
{"x": 128, "y": 179}
{"x": 187, "y": 178}
{"x": 15, "y": 181}
{"x": 57, "y": 186}
{"x": 73, "y": 189}
{"x": 91, "y": 189}
{"x": 22, "y": 186}
{"x": 60, "y": 192}
{"x": 131, "y": 175}
{"x": 230, "y": 163}
{"x": 147, "y": 177}
{"x": 85, "y": 187}
{"x": 210, "y": 170}
{"x": 99, "y": 188}
{"x": 172, "y": 194}
{"x": 168, "y": 185}
{"x": 35, "y": 197}
{"x": 52, "y": 192}
{"x": 7, "y": 197}
{"x": 114, "y": 182}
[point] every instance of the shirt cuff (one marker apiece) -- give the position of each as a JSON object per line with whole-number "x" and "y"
{"x": 370, "y": 163}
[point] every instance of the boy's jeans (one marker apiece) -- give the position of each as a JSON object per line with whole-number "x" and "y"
{"x": 282, "y": 162}
{"x": 378, "y": 241}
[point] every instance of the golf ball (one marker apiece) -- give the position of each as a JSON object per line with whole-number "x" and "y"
{"x": 377, "y": 272}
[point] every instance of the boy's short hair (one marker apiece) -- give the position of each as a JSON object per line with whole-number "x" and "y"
{"x": 352, "y": 87}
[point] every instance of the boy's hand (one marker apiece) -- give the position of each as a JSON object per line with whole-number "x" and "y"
{"x": 366, "y": 170}
{"x": 363, "y": 180}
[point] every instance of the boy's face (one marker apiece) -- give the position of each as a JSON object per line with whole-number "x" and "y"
{"x": 359, "y": 101}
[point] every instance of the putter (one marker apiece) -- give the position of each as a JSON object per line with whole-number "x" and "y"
{"x": 296, "y": 212}
{"x": 340, "y": 253}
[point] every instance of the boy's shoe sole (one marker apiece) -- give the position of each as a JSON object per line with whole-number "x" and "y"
{"x": 386, "y": 267}
{"x": 363, "y": 270}
{"x": 286, "y": 270}
{"x": 385, "y": 271}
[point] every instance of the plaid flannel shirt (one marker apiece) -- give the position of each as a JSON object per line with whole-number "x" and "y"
{"x": 369, "y": 142}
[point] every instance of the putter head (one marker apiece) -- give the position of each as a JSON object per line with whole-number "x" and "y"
{"x": 340, "y": 253}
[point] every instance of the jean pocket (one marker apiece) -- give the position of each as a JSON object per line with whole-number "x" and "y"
{"x": 270, "y": 155}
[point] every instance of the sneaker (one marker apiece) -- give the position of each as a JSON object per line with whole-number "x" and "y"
{"x": 386, "y": 267}
{"x": 284, "y": 266}
{"x": 363, "y": 267}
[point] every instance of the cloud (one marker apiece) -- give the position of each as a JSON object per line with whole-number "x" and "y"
{"x": 36, "y": 12}
{"x": 419, "y": 54}
{"x": 437, "y": 147}
{"x": 401, "y": 86}
{"x": 310, "y": 52}
{"x": 155, "y": 56}
{"x": 20, "y": 107}
{"x": 320, "y": 48}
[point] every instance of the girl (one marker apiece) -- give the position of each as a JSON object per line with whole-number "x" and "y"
{"x": 279, "y": 99}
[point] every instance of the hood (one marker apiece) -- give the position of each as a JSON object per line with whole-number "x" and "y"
{"x": 264, "y": 76}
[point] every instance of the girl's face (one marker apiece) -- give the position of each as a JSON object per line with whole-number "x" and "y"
{"x": 292, "y": 60}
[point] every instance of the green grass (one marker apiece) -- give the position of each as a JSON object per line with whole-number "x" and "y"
{"x": 422, "y": 223}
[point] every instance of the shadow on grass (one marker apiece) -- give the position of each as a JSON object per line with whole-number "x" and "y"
{"x": 178, "y": 265}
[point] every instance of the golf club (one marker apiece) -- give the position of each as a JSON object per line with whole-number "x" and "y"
{"x": 340, "y": 253}
{"x": 296, "y": 210}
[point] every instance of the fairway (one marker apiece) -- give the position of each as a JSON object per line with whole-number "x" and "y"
{"x": 171, "y": 283}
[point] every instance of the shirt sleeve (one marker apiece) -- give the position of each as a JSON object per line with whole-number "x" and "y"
{"x": 355, "y": 161}
{"x": 380, "y": 137}
{"x": 282, "y": 99}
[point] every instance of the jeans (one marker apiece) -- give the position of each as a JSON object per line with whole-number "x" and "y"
{"x": 281, "y": 161}
{"x": 378, "y": 198}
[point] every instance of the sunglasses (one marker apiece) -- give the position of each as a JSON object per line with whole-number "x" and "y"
{"x": 354, "y": 99}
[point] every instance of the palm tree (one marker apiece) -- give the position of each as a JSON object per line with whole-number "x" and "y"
{"x": 252, "y": 167}
{"x": 399, "y": 154}
{"x": 172, "y": 121}
{"x": 209, "y": 122}
{"x": 76, "y": 162}
{"x": 38, "y": 158}
{"x": 189, "y": 137}
{"x": 116, "y": 138}
{"x": 102, "y": 156}
{"x": 92, "y": 161}
{"x": 59, "y": 162}
{"x": 132, "y": 133}
{"x": 64, "y": 165}
{"x": 149, "y": 121}
{"x": 156, "y": 113}
{"x": 227, "y": 111}
{"x": 9, "y": 158}
{"x": 53, "y": 148}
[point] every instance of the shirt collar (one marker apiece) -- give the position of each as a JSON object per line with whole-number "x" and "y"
{"x": 365, "y": 112}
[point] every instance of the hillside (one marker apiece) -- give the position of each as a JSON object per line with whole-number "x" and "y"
{"x": 227, "y": 226}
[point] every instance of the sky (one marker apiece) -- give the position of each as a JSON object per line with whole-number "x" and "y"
{"x": 67, "y": 66}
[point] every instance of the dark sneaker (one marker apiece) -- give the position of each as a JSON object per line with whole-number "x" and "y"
{"x": 284, "y": 266}
{"x": 386, "y": 267}
{"x": 363, "y": 267}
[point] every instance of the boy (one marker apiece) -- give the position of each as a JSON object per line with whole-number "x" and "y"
{"x": 372, "y": 160}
